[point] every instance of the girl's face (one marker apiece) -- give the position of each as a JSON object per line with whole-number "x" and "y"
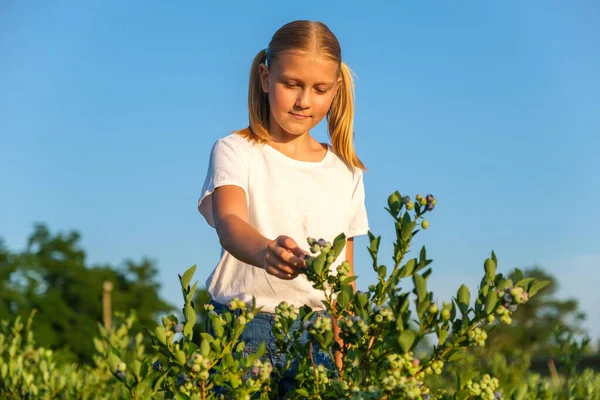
{"x": 301, "y": 86}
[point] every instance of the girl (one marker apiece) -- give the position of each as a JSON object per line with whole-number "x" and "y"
{"x": 272, "y": 185}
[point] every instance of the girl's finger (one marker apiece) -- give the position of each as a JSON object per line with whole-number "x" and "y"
{"x": 272, "y": 270}
{"x": 288, "y": 257}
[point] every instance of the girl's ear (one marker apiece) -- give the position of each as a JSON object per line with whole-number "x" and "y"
{"x": 263, "y": 71}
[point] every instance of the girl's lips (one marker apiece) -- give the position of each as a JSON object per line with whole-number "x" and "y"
{"x": 299, "y": 116}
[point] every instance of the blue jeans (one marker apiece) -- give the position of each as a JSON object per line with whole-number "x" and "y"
{"x": 260, "y": 329}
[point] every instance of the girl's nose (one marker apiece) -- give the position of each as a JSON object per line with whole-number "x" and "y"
{"x": 303, "y": 99}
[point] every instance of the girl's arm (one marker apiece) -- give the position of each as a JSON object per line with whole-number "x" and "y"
{"x": 280, "y": 257}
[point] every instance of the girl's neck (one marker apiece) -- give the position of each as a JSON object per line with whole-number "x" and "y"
{"x": 299, "y": 147}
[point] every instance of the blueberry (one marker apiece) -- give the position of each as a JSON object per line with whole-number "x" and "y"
{"x": 512, "y": 308}
{"x": 179, "y": 327}
{"x": 429, "y": 198}
{"x": 181, "y": 379}
{"x": 508, "y": 298}
{"x": 322, "y": 242}
{"x": 406, "y": 199}
{"x": 157, "y": 366}
{"x": 429, "y": 206}
{"x": 121, "y": 375}
{"x": 426, "y": 396}
{"x": 497, "y": 395}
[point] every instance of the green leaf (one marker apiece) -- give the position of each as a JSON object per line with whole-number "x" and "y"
{"x": 456, "y": 355}
{"x": 423, "y": 254}
{"x": 113, "y": 361}
{"x": 205, "y": 348}
{"x": 190, "y": 315}
{"x": 382, "y": 272}
{"x": 157, "y": 385}
{"x": 207, "y": 337}
{"x": 180, "y": 357}
{"x": 407, "y": 269}
{"x": 406, "y": 340}
{"x": 537, "y": 286}
{"x": 422, "y": 306}
{"x": 187, "y": 277}
{"x": 99, "y": 344}
{"x": 442, "y": 336}
{"x": 407, "y": 229}
{"x": 302, "y": 392}
{"x": 490, "y": 269}
{"x": 319, "y": 263}
{"x": 420, "y": 286}
{"x": 342, "y": 300}
{"x": 349, "y": 279}
{"x": 490, "y": 301}
{"x": 518, "y": 275}
{"x": 395, "y": 203}
{"x": 524, "y": 282}
{"x": 464, "y": 296}
{"x": 338, "y": 244}
{"x": 494, "y": 258}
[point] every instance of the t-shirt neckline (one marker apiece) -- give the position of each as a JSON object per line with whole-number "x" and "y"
{"x": 291, "y": 160}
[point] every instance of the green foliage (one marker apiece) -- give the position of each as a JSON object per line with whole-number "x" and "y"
{"x": 378, "y": 336}
{"x": 31, "y": 372}
{"x": 52, "y": 276}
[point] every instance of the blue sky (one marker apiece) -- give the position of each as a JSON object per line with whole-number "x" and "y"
{"x": 108, "y": 112}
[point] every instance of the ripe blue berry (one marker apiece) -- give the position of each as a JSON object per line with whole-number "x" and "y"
{"x": 121, "y": 375}
{"x": 179, "y": 327}
{"x": 406, "y": 200}
{"x": 322, "y": 242}
{"x": 429, "y": 206}
{"x": 157, "y": 366}
{"x": 508, "y": 298}
{"x": 512, "y": 308}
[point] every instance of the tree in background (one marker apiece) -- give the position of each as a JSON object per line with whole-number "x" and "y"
{"x": 51, "y": 275}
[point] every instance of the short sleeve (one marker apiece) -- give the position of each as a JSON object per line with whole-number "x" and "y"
{"x": 359, "y": 222}
{"x": 227, "y": 166}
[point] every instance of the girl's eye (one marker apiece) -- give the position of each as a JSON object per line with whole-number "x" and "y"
{"x": 321, "y": 91}
{"x": 291, "y": 84}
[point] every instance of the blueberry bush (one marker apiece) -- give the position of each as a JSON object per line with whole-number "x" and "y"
{"x": 378, "y": 333}
{"x": 378, "y": 330}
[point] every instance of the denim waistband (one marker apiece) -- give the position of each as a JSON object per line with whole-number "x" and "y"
{"x": 222, "y": 308}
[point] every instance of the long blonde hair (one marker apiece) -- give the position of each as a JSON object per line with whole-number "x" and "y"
{"x": 301, "y": 35}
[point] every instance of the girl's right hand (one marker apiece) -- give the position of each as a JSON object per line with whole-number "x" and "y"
{"x": 284, "y": 258}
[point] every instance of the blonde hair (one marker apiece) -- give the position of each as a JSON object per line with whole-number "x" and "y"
{"x": 302, "y": 35}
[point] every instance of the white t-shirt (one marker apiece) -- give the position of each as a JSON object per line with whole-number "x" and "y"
{"x": 285, "y": 197}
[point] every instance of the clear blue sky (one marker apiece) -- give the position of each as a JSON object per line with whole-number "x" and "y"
{"x": 108, "y": 112}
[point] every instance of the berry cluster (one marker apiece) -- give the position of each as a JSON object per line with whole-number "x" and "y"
{"x": 477, "y": 337}
{"x": 319, "y": 326}
{"x": 237, "y": 304}
{"x": 511, "y": 297}
{"x": 321, "y": 373}
{"x": 485, "y": 388}
{"x": 262, "y": 370}
{"x": 435, "y": 367}
{"x": 285, "y": 311}
{"x": 320, "y": 245}
{"x": 382, "y": 314}
{"x": 200, "y": 365}
{"x": 343, "y": 270}
{"x": 354, "y": 326}
{"x": 428, "y": 201}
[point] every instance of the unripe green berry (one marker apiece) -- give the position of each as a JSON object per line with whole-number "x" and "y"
{"x": 425, "y": 224}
